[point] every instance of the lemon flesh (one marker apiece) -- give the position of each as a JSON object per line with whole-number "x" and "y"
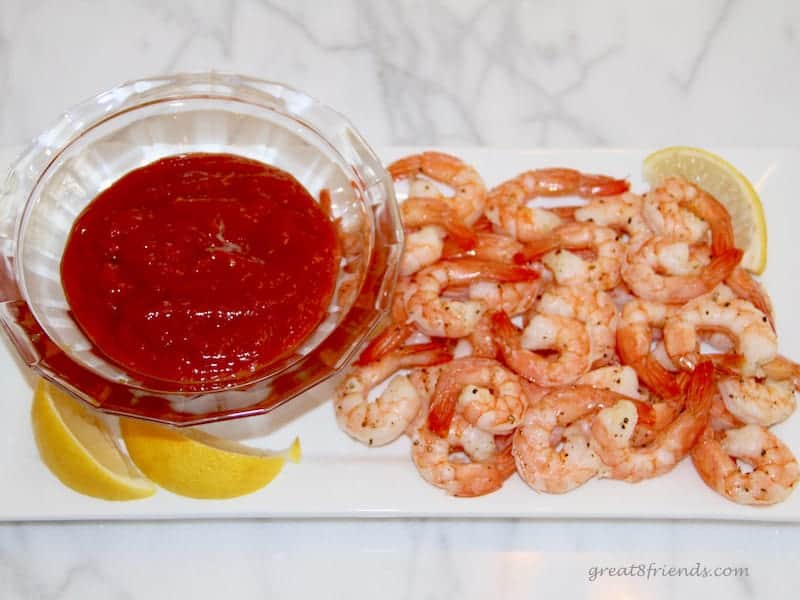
{"x": 723, "y": 181}
{"x": 194, "y": 464}
{"x": 77, "y": 446}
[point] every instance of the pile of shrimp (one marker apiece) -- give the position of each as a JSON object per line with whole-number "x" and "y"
{"x": 563, "y": 344}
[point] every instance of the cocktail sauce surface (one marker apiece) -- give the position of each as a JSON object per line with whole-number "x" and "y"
{"x": 200, "y": 269}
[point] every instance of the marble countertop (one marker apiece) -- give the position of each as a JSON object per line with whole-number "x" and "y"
{"x": 521, "y": 74}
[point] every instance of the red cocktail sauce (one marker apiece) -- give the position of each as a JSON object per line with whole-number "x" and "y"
{"x": 200, "y": 269}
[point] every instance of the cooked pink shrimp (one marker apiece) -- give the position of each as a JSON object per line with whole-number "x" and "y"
{"x": 486, "y": 393}
{"x": 513, "y": 298}
{"x": 665, "y": 214}
{"x": 476, "y": 443}
{"x": 613, "y": 428}
{"x": 429, "y": 222}
{"x": 533, "y": 393}
{"x": 569, "y": 269}
{"x": 781, "y": 368}
{"x": 488, "y": 246}
{"x": 762, "y": 403}
{"x": 756, "y": 341}
{"x": 546, "y": 460}
{"x": 441, "y": 317}
{"x": 384, "y": 420}
{"x": 422, "y": 249}
{"x": 641, "y": 273}
{"x": 422, "y": 212}
{"x": 469, "y": 195}
{"x": 621, "y": 379}
{"x": 621, "y": 213}
{"x": 390, "y": 338}
{"x": 506, "y": 203}
{"x": 458, "y": 475}
{"x": 774, "y": 473}
{"x": 593, "y": 307}
{"x": 720, "y": 417}
{"x": 667, "y": 210}
{"x": 746, "y": 287}
{"x": 566, "y": 336}
{"x": 634, "y": 339}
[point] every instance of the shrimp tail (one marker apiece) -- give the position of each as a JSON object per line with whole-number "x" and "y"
{"x": 389, "y": 339}
{"x": 744, "y": 286}
{"x": 505, "y": 335}
{"x": 461, "y": 235}
{"x": 496, "y": 271}
{"x": 427, "y": 354}
{"x": 482, "y": 225}
{"x": 503, "y": 328}
{"x": 405, "y": 167}
{"x": 782, "y": 369}
{"x": 657, "y": 378}
{"x": 726, "y": 363}
{"x": 722, "y": 266}
{"x": 645, "y": 413}
{"x": 536, "y": 248}
{"x": 442, "y": 409}
{"x": 601, "y": 185}
{"x": 701, "y": 389}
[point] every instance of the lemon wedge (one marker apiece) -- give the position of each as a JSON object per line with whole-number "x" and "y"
{"x": 728, "y": 185}
{"x": 77, "y": 446}
{"x": 195, "y": 464}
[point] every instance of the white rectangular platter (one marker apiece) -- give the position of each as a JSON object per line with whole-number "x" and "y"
{"x": 340, "y": 478}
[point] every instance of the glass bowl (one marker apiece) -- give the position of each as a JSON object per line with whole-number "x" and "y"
{"x": 139, "y": 122}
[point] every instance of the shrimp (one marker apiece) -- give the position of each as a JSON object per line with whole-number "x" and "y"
{"x": 566, "y": 336}
{"x": 621, "y": 379}
{"x": 457, "y": 474}
{"x": 774, "y": 474}
{"x": 506, "y": 203}
{"x": 533, "y": 393}
{"x": 782, "y": 369}
{"x": 440, "y": 317}
{"x": 476, "y": 443}
{"x": 640, "y": 272}
{"x": 546, "y": 459}
{"x": 487, "y": 394}
{"x": 634, "y": 338}
{"x": 513, "y": 298}
{"x": 667, "y": 217}
{"x": 488, "y": 246}
{"x": 670, "y": 208}
{"x": 426, "y": 209}
{"x": 592, "y": 307}
{"x": 746, "y": 287}
{"x": 760, "y": 403}
{"x": 422, "y": 249}
{"x": 613, "y": 428}
{"x": 390, "y": 338}
{"x": 421, "y": 212}
{"x": 756, "y": 341}
{"x": 720, "y": 417}
{"x": 384, "y": 420}
{"x": 468, "y": 200}
{"x": 570, "y": 269}
{"x": 621, "y": 213}
{"x": 674, "y": 257}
